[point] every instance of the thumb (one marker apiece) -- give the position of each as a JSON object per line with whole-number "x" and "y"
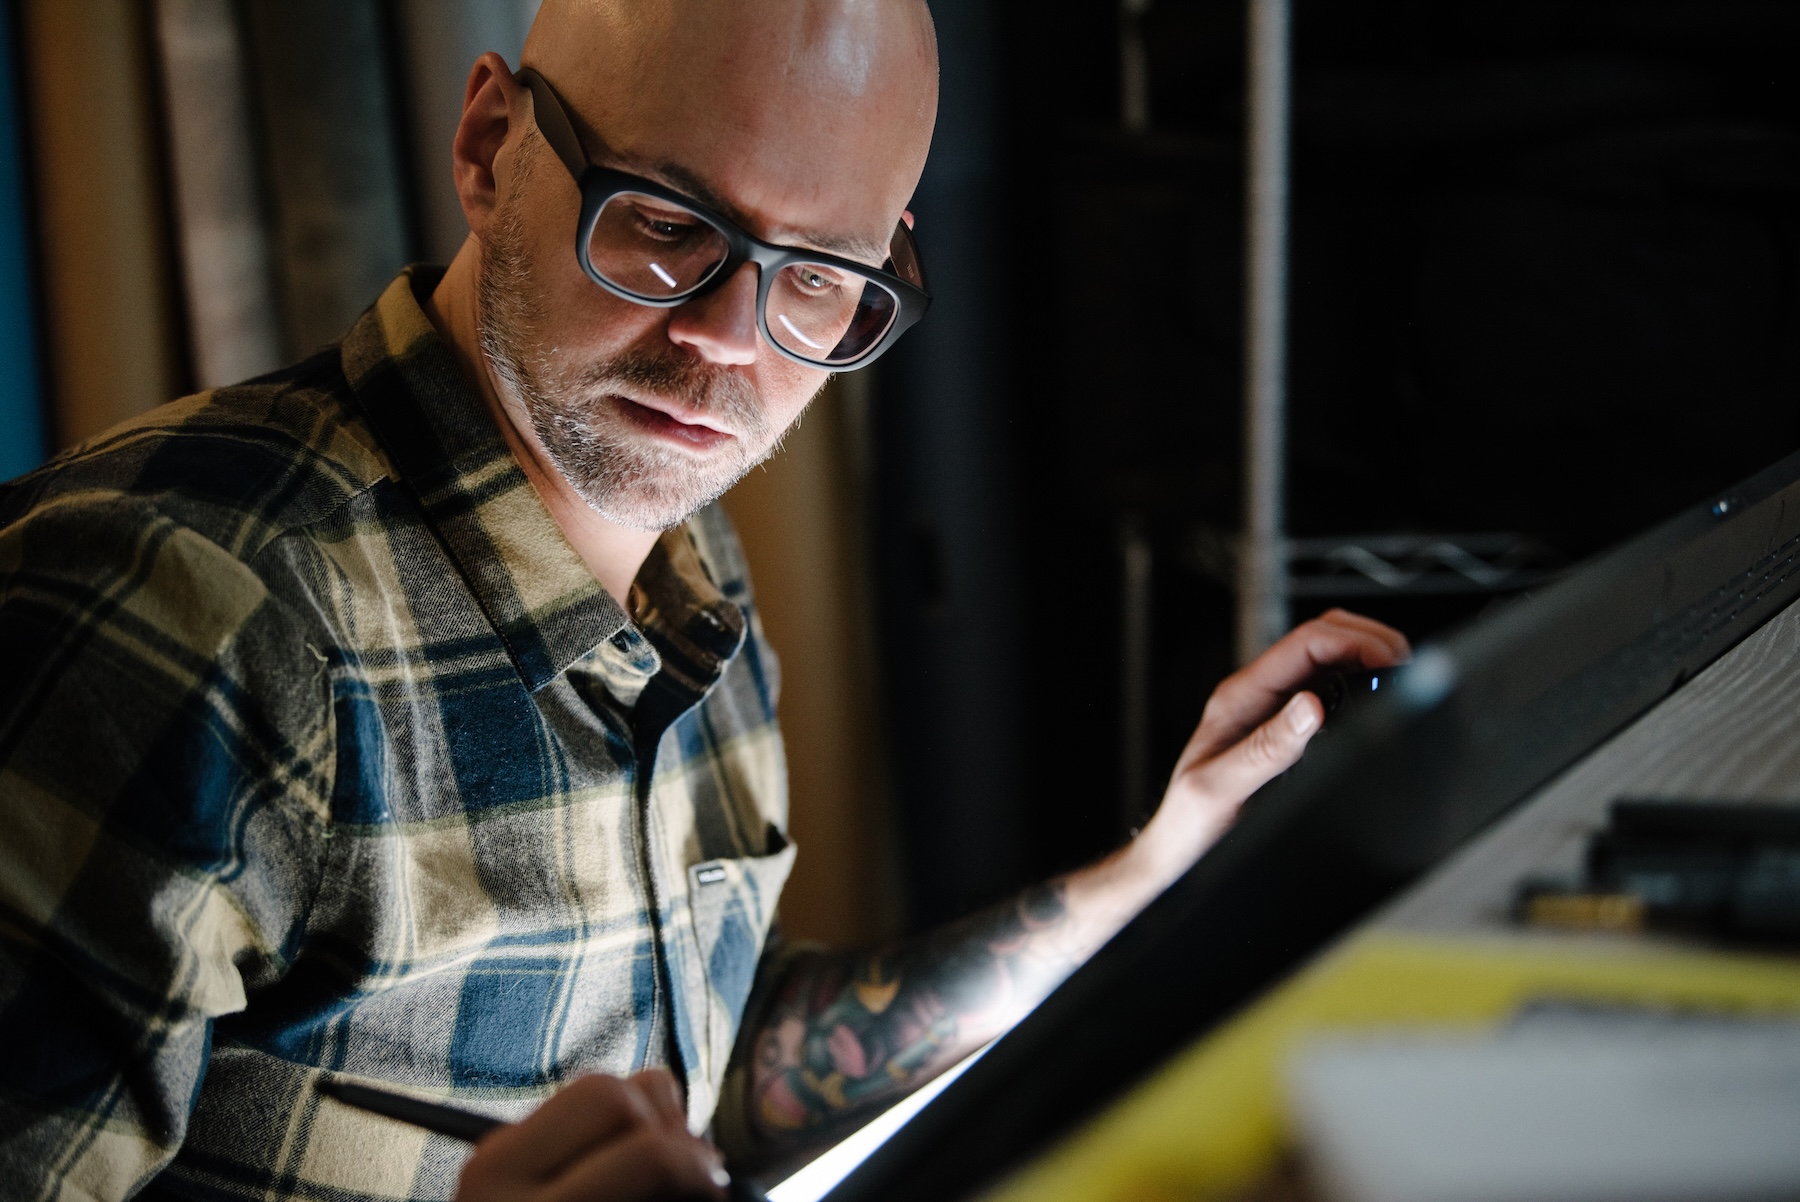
{"x": 1263, "y": 754}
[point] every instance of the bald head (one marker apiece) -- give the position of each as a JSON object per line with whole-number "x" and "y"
{"x": 825, "y": 105}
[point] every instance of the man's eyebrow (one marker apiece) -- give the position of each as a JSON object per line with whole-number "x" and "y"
{"x": 849, "y": 246}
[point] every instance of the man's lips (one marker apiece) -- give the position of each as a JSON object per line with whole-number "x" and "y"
{"x": 657, "y": 420}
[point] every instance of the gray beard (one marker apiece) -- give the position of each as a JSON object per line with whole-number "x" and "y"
{"x": 626, "y": 475}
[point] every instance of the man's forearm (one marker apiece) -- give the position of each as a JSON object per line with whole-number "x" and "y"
{"x": 847, "y": 1033}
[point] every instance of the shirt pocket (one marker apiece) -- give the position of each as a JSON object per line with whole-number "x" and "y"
{"x": 732, "y": 902}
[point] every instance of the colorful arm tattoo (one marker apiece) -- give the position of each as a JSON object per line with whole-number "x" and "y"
{"x": 847, "y": 1034}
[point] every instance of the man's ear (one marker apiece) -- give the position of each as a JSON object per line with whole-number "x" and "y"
{"x": 490, "y": 101}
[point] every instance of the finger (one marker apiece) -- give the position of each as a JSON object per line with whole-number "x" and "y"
{"x": 1256, "y": 691}
{"x": 659, "y": 1163}
{"x": 1260, "y": 756}
{"x": 663, "y": 1094}
{"x": 592, "y": 1111}
{"x": 1334, "y": 639}
{"x": 1397, "y": 648}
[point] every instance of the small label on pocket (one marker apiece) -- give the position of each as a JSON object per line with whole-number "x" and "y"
{"x": 712, "y": 874}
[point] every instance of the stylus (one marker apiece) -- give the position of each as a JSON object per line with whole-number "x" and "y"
{"x": 465, "y": 1125}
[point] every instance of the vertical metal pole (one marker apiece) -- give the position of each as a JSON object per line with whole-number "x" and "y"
{"x": 1262, "y": 567}
{"x": 1135, "y": 554}
{"x": 1134, "y": 67}
{"x": 1135, "y": 632}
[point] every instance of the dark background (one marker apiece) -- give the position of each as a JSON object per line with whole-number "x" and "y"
{"x": 1543, "y": 282}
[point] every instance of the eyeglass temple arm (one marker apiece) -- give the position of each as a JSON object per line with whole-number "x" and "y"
{"x": 553, "y": 122}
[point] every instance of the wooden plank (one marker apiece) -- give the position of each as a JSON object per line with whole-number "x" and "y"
{"x": 229, "y": 287}
{"x": 331, "y": 158}
{"x": 109, "y": 289}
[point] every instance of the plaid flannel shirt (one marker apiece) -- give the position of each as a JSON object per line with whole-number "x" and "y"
{"x": 320, "y": 750}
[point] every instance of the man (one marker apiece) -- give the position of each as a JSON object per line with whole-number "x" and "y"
{"x": 405, "y": 714}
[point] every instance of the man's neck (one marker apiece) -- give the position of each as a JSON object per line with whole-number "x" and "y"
{"x": 613, "y": 553}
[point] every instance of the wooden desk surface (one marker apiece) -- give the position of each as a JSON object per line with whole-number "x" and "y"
{"x": 1730, "y": 734}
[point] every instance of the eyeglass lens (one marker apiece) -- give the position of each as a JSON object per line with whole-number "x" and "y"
{"x": 652, "y": 248}
{"x": 657, "y": 249}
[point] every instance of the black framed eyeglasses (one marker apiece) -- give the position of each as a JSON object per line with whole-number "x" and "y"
{"x": 653, "y": 246}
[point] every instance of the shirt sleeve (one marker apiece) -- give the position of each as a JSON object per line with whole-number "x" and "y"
{"x": 165, "y": 768}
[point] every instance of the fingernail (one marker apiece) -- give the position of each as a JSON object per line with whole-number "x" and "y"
{"x": 1301, "y": 717}
{"x": 720, "y": 1177}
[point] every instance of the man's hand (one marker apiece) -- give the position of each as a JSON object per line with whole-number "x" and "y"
{"x": 604, "y": 1139}
{"x": 1254, "y": 728}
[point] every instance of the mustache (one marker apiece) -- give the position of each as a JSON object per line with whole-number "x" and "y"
{"x": 713, "y": 391}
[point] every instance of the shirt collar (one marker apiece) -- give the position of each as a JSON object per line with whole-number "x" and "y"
{"x": 694, "y": 628}
{"x": 535, "y": 591}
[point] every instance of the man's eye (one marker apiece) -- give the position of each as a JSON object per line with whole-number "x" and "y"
{"x": 813, "y": 280}
{"x": 666, "y": 229}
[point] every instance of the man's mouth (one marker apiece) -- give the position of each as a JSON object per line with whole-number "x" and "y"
{"x": 689, "y": 430}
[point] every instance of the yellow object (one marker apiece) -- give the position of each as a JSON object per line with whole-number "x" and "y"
{"x": 1210, "y": 1124}
{"x": 1586, "y": 911}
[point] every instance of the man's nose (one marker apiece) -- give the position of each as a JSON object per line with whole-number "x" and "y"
{"x": 721, "y": 326}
